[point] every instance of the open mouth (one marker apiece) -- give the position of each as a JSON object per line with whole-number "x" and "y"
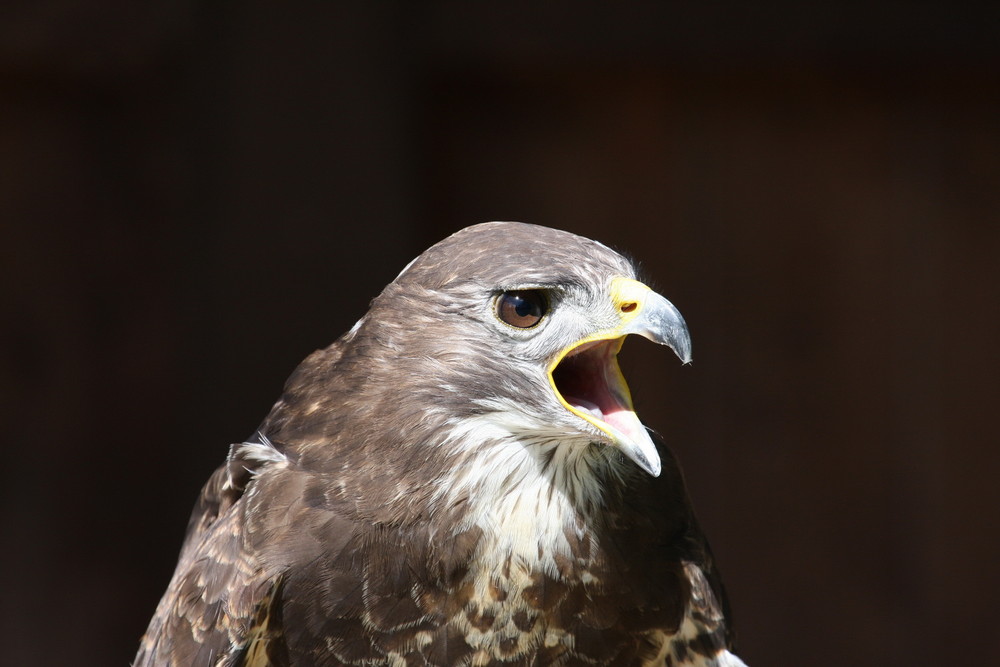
{"x": 590, "y": 384}
{"x": 587, "y": 381}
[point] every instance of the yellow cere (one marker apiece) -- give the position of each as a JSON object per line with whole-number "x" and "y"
{"x": 629, "y": 296}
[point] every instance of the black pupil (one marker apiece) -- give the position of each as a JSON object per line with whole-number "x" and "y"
{"x": 521, "y": 309}
{"x": 525, "y": 307}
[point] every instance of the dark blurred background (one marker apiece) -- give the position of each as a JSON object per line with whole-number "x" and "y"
{"x": 195, "y": 195}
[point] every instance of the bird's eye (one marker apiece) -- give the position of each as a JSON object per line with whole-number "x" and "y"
{"x": 522, "y": 308}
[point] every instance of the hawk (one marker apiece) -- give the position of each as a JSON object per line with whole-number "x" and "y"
{"x": 460, "y": 479}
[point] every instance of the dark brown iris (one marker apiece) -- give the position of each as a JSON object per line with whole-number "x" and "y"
{"x": 522, "y": 308}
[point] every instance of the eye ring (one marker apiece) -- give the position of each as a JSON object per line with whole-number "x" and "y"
{"x": 522, "y": 309}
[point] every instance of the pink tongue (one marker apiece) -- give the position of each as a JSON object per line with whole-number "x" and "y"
{"x": 617, "y": 416}
{"x": 625, "y": 421}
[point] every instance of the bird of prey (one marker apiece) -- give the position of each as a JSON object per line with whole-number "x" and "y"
{"x": 460, "y": 479}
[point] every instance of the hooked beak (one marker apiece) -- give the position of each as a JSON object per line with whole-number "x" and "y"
{"x": 589, "y": 383}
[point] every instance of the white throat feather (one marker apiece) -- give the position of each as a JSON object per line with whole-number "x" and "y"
{"x": 527, "y": 490}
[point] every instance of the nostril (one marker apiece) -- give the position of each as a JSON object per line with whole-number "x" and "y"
{"x": 629, "y": 306}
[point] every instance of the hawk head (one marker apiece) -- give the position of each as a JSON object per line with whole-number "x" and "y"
{"x": 503, "y": 332}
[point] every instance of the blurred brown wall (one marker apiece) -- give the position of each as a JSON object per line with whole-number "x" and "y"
{"x": 193, "y": 196}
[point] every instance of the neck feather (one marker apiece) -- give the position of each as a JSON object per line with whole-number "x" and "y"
{"x": 532, "y": 496}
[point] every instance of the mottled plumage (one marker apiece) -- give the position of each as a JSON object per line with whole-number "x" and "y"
{"x": 443, "y": 487}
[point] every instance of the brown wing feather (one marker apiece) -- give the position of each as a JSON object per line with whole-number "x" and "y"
{"x": 215, "y": 591}
{"x": 353, "y": 590}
